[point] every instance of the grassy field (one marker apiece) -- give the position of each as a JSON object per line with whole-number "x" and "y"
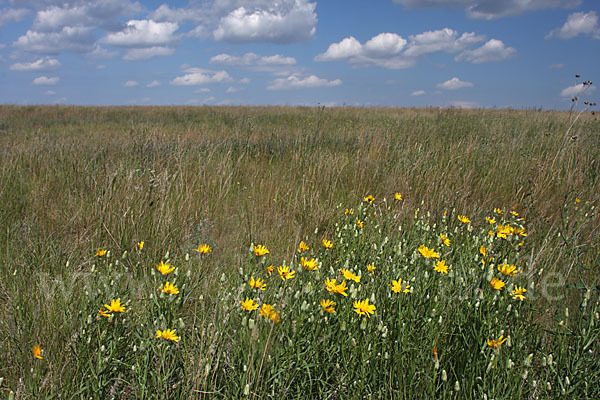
{"x": 75, "y": 181}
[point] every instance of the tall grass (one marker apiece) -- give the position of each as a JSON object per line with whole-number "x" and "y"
{"x": 75, "y": 179}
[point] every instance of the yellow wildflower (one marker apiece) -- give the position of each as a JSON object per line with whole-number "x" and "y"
{"x": 349, "y": 211}
{"x": 577, "y": 200}
{"x": 333, "y": 287}
{"x": 503, "y": 231}
{"x": 513, "y": 212}
{"x": 266, "y": 310}
{"x": 140, "y": 245}
{"x": 309, "y": 265}
{"x": 490, "y": 220}
{"x": 328, "y": 244}
{"x": 37, "y": 352}
{"x": 169, "y": 288}
{"x": 498, "y": 211}
{"x": 257, "y": 284}
{"x": 349, "y": 275}
{"x": 398, "y": 196}
{"x": 360, "y": 223}
{"x": 517, "y": 293}
{"x": 249, "y": 305}
{"x": 104, "y": 313}
{"x": 285, "y": 273}
{"x": 101, "y": 252}
{"x": 370, "y": 268}
{"x": 494, "y": 344}
{"x": 270, "y": 269}
{"x": 164, "y": 269}
{"x": 303, "y": 247}
{"x": 260, "y": 250}
{"x": 115, "y": 306}
{"x": 203, "y": 249}
{"x": 507, "y": 270}
{"x": 464, "y": 219}
{"x": 441, "y": 267}
{"x": 497, "y": 284}
{"x": 328, "y": 306}
{"x": 168, "y": 334}
{"x": 397, "y": 286}
{"x": 445, "y": 239}
{"x": 428, "y": 253}
{"x": 364, "y": 308}
{"x": 369, "y": 199}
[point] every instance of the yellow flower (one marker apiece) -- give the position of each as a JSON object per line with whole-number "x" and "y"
{"x": 397, "y": 286}
{"x": 464, "y": 219}
{"x": 303, "y": 247}
{"x": 328, "y": 306}
{"x": 445, "y": 239}
{"x": 270, "y": 269}
{"x": 328, "y": 244}
{"x": 490, "y": 220}
{"x": 503, "y": 231}
{"x": 37, "y": 352}
{"x": 508, "y": 270}
{"x": 416, "y": 212}
{"x": 513, "y": 212}
{"x": 333, "y": 287}
{"x": 169, "y": 288}
{"x": 498, "y": 211}
{"x": 104, "y": 313}
{"x": 349, "y": 211}
{"x": 203, "y": 249}
{"x": 115, "y": 306}
{"x": 441, "y": 267}
{"x": 164, "y": 269}
{"x": 257, "y": 284}
{"x": 364, "y": 308}
{"x": 349, "y": 275}
{"x": 483, "y": 251}
{"x": 101, "y": 252}
{"x": 428, "y": 253}
{"x": 577, "y": 200}
{"x": 519, "y": 231}
{"x": 398, "y": 196}
{"x": 168, "y": 334}
{"x": 517, "y": 293}
{"x": 370, "y": 268}
{"x": 359, "y": 223}
{"x": 497, "y": 284}
{"x": 266, "y": 310}
{"x": 249, "y": 305}
{"x": 494, "y": 344}
{"x": 140, "y": 245}
{"x": 260, "y": 250}
{"x": 369, "y": 199}
{"x": 309, "y": 265}
{"x": 285, "y": 273}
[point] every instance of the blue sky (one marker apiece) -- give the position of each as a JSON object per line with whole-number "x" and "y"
{"x": 462, "y": 53}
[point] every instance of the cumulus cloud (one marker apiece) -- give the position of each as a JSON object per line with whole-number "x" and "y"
{"x": 285, "y": 21}
{"x": 43, "y": 64}
{"x": 493, "y": 50}
{"x": 418, "y": 93}
{"x": 179, "y": 15}
{"x": 130, "y": 84}
{"x": 446, "y": 40}
{"x": 251, "y": 59}
{"x": 383, "y": 50}
{"x": 143, "y": 33}
{"x": 491, "y": 9}
{"x": 578, "y": 23}
{"x": 50, "y": 93}
{"x": 147, "y": 53}
{"x": 576, "y": 90}
{"x": 152, "y": 84}
{"x": 73, "y": 39}
{"x": 44, "y": 80}
{"x": 12, "y": 15}
{"x": 297, "y": 82}
{"x": 453, "y": 84}
{"x": 198, "y": 76}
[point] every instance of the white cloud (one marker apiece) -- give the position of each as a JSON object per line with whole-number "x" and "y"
{"x": 152, "y": 84}
{"x": 180, "y": 15}
{"x": 453, "y": 84}
{"x": 232, "y": 89}
{"x": 576, "y": 90}
{"x": 202, "y": 90}
{"x": 130, "y": 84}
{"x": 464, "y": 104}
{"x": 143, "y": 33}
{"x": 284, "y": 21}
{"x": 251, "y": 59}
{"x": 44, "y": 80}
{"x": 12, "y": 15}
{"x": 198, "y": 76}
{"x": 578, "y": 23}
{"x": 418, "y": 93}
{"x": 74, "y": 39}
{"x": 147, "y": 53}
{"x": 101, "y": 53}
{"x": 446, "y": 40}
{"x": 296, "y": 82}
{"x": 245, "y": 80}
{"x": 50, "y": 93}
{"x": 491, "y": 9}
{"x": 493, "y": 50}
{"x": 43, "y": 64}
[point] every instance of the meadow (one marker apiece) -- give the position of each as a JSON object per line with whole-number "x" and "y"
{"x": 298, "y": 252}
